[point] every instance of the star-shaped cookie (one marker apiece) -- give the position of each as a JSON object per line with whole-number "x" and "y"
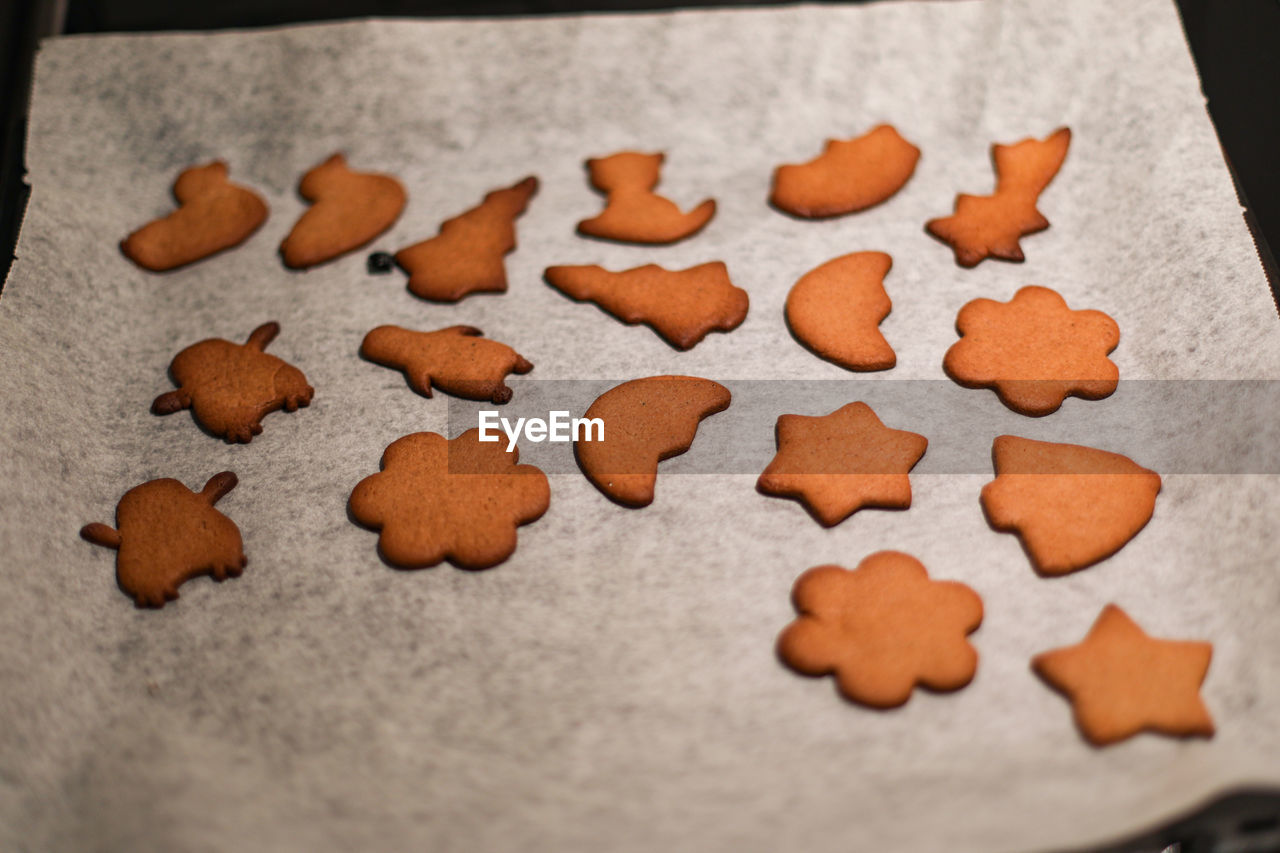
{"x": 1121, "y": 681}
{"x": 839, "y": 463}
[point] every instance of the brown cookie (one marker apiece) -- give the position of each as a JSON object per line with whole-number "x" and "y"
{"x": 990, "y": 226}
{"x": 836, "y": 310}
{"x": 169, "y": 534}
{"x": 645, "y": 421}
{"x": 456, "y": 360}
{"x": 1121, "y": 681}
{"x": 231, "y": 387}
{"x": 213, "y": 214}
{"x": 466, "y": 256}
{"x": 849, "y": 175}
{"x": 682, "y": 306}
{"x": 1034, "y": 351}
{"x": 348, "y": 210}
{"x": 839, "y": 463}
{"x": 882, "y": 629}
{"x": 459, "y": 500}
{"x": 633, "y": 213}
{"x": 1071, "y": 506}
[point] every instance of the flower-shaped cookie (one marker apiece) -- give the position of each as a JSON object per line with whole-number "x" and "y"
{"x": 1034, "y": 351}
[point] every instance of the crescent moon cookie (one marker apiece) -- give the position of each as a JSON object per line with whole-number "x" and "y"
{"x": 836, "y": 309}
{"x": 848, "y": 176}
{"x": 166, "y": 534}
{"x": 213, "y": 214}
{"x": 990, "y": 226}
{"x": 1034, "y": 351}
{"x": 348, "y": 210}
{"x": 633, "y": 213}
{"x": 456, "y": 360}
{"x": 882, "y": 629}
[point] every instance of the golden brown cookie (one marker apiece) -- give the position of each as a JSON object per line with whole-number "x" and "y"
{"x": 1034, "y": 351}
{"x": 682, "y": 306}
{"x": 882, "y": 629}
{"x": 849, "y": 175}
{"x": 1071, "y": 506}
{"x": 836, "y": 310}
{"x": 1121, "y": 681}
{"x": 645, "y": 421}
{"x": 990, "y": 226}
{"x": 230, "y": 387}
{"x": 213, "y": 214}
{"x": 633, "y": 212}
{"x": 348, "y": 210}
{"x": 839, "y": 463}
{"x": 456, "y": 360}
{"x": 466, "y": 256}
{"x": 459, "y": 500}
{"x": 168, "y": 534}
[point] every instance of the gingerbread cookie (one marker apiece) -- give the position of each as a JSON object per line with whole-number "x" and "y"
{"x": 848, "y": 176}
{"x": 1034, "y": 351}
{"x": 839, "y": 463}
{"x": 633, "y": 212}
{"x": 990, "y": 226}
{"x": 168, "y": 534}
{"x": 231, "y": 387}
{"x": 459, "y": 500}
{"x": 836, "y": 309}
{"x": 466, "y": 256}
{"x": 882, "y": 629}
{"x": 1120, "y": 681}
{"x": 1071, "y": 506}
{"x": 348, "y": 210}
{"x": 682, "y": 306}
{"x": 213, "y": 214}
{"x": 456, "y": 360}
{"x": 645, "y": 421}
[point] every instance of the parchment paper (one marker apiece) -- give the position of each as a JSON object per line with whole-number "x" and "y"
{"x": 613, "y": 685}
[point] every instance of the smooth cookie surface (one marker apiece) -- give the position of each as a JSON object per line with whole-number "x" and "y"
{"x": 836, "y": 309}
{"x": 348, "y": 209}
{"x": 633, "y": 212}
{"x": 849, "y": 175}
{"x": 457, "y": 360}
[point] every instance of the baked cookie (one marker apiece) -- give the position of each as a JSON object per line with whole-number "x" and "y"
{"x": 849, "y": 175}
{"x": 1071, "y": 506}
{"x": 1034, "y": 351}
{"x": 459, "y": 500}
{"x": 348, "y": 210}
{"x": 230, "y": 387}
{"x": 1121, "y": 681}
{"x": 456, "y": 360}
{"x": 882, "y": 629}
{"x": 839, "y": 463}
{"x": 990, "y": 226}
{"x": 168, "y": 534}
{"x": 213, "y": 214}
{"x": 645, "y": 421}
{"x": 466, "y": 255}
{"x": 633, "y": 213}
{"x": 836, "y": 309}
{"x": 682, "y": 306}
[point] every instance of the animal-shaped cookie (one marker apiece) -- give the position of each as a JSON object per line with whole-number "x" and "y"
{"x": 459, "y": 499}
{"x": 991, "y": 226}
{"x": 633, "y": 212}
{"x": 167, "y": 534}
{"x": 1071, "y": 506}
{"x": 848, "y": 176}
{"x": 213, "y": 214}
{"x": 882, "y": 629}
{"x": 836, "y": 309}
{"x": 456, "y": 360}
{"x": 839, "y": 463}
{"x": 645, "y": 421}
{"x": 230, "y": 387}
{"x": 1034, "y": 351}
{"x": 682, "y": 306}
{"x": 1120, "y": 681}
{"x": 348, "y": 209}
{"x": 466, "y": 256}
